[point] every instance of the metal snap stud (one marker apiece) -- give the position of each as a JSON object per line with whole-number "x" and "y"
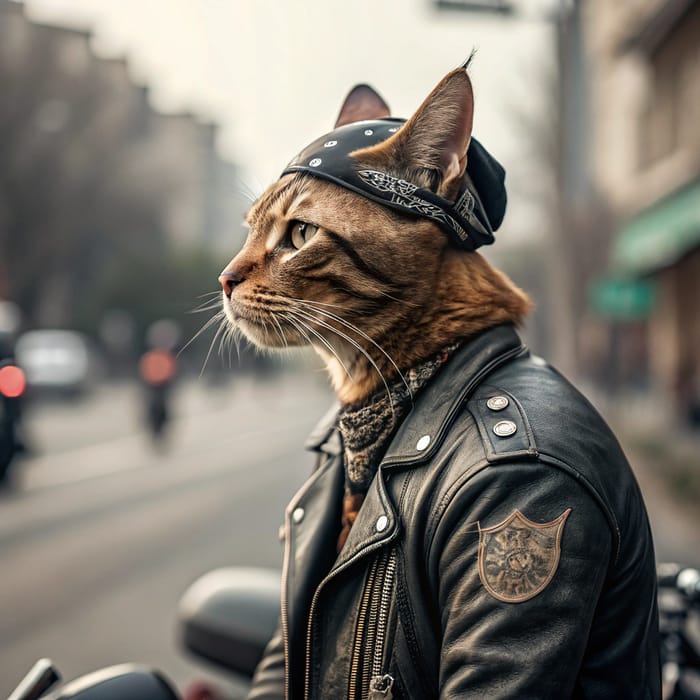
{"x": 368, "y": 132}
{"x": 330, "y": 144}
{"x": 423, "y": 443}
{"x": 505, "y": 428}
{"x": 315, "y": 162}
{"x": 393, "y": 129}
{"x": 497, "y": 403}
{"x": 382, "y": 522}
{"x": 298, "y": 515}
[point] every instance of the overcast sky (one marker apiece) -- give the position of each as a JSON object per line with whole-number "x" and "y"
{"x": 273, "y": 73}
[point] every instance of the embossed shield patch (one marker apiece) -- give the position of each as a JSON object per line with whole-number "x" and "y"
{"x": 518, "y": 558}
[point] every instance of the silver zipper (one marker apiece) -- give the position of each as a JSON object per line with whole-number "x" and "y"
{"x": 283, "y": 605}
{"x": 370, "y": 632}
{"x": 314, "y": 602}
{"x": 381, "y": 688}
{"x": 359, "y": 633}
{"x": 384, "y": 603}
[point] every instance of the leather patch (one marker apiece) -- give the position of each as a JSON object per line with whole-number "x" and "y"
{"x": 518, "y": 558}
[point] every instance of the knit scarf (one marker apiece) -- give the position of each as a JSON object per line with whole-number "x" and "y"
{"x": 367, "y": 428}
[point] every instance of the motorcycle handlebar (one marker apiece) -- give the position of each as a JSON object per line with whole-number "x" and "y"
{"x": 38, "y": 681}
{"x": 685, "y": 580}
{"x": 115, "y": 683}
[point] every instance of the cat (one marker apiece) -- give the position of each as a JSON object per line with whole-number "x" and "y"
{"x": 395, "y": 584}
{"x": 374, "y": 291}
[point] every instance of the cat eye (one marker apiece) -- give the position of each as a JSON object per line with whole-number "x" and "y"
{"x": 300, "y": 232}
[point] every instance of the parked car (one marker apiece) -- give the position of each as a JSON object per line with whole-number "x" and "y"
{"x": 57, "y": 361}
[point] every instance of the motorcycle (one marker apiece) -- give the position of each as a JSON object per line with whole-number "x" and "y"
{"x": 228, "y": 615}
{"x": 13, "y": 385}
{"x": 126, "y": 681}
{"x": 679, "y": 628}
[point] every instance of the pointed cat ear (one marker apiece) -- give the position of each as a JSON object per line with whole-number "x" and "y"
{"x": 437, "y": 136}
{"x": 362, "y": 103}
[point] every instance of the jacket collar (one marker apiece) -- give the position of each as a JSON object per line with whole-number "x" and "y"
{"x": 424, "y": 428}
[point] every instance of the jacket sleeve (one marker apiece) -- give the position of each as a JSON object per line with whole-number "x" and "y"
{"x": 268, "y": 681}
{"x": 519, "y": 555}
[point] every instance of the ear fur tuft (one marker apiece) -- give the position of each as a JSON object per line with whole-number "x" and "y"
{"x": 468, "y": 62}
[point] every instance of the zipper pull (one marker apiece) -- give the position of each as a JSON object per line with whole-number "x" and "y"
{"x": 380, "y": 688}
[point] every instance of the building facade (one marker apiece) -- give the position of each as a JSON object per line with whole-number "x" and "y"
{"x": 644, "y": 60}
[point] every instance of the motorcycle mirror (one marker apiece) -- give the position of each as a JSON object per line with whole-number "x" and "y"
{"x": 117, "y": 683}
{"x": 42, "y": 676}
{"x": 229, "y": 615}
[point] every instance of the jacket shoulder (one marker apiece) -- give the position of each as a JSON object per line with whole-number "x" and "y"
{"x": 527, "y": 410}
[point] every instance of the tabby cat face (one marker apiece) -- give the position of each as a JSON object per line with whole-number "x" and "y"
{"x": 373, "y": 291}
{"x": 318, "y": 256}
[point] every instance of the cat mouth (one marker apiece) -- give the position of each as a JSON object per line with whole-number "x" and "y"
{"x": 263, "y": 329}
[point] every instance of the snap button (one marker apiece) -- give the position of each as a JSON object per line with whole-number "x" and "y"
{"x": 382, "y": 522}
{"x": 423, "y": 443}
{"x": 497, "y": 403}
{"x": 505, "y": 428}
{"x": 298, "y": 515}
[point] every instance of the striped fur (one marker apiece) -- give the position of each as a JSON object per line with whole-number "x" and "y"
{"x": 374, "y": 292}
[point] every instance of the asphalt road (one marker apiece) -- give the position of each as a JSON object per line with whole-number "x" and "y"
{"x": 100, "y": 534}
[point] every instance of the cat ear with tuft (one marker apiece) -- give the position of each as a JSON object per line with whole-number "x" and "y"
{"x": 362, "y": 102}
{"x": 437, "y": 136}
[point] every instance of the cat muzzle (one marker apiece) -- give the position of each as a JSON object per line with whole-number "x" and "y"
{"x": 469, "y": 221}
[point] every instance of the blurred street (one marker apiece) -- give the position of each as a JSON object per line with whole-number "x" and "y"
{"x": 100, "y": 534}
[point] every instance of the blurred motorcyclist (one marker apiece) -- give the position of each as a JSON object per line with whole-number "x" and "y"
{"x": 158, "y": 369}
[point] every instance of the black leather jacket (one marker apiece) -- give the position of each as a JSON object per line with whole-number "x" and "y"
{"x": 503, "y": 551}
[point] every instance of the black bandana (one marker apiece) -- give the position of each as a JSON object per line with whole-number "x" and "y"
{"x": 469, "y": 221}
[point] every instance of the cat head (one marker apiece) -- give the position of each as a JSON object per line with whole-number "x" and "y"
{"x": 364, "y": 252}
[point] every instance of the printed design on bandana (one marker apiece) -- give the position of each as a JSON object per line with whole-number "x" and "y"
{"x": 465, "y": 204}
{"x": 518, "y": 558}
{"x": 403, "y": 194}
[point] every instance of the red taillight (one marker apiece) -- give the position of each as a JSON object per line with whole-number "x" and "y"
{"x": 12, "y": 382}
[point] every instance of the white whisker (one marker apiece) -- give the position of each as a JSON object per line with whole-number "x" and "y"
{"x": 299, "y": 324}
{"x": 352, "y": 342}
{"x": 222, "y": 325}
{"x": 355, "y": 329}
{"x": 209, "y": 323}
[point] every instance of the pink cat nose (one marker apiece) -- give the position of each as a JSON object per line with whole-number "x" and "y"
{"x": 228, "y": 280}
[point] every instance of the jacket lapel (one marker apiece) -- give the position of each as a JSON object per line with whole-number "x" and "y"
{"x": 424, "y": 428}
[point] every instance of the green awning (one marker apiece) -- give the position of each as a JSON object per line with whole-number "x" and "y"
{"x": 622, "y": 300}
{"x": 659, "y": 236}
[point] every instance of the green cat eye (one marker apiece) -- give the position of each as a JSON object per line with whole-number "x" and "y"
{"x": 300, "y": 232}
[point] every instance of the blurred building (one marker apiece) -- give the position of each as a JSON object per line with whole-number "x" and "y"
{"x": 91, "y": 174}
{"x": 644, "y": 63}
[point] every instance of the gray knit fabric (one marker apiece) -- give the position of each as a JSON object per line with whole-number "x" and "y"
{"x": 367, "y": 428}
